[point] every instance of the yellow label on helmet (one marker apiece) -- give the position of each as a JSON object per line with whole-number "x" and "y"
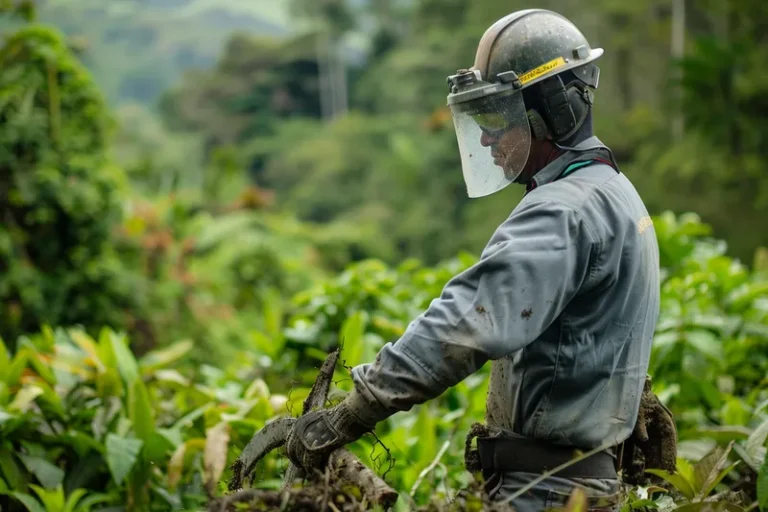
{"x": 544, "y": 68}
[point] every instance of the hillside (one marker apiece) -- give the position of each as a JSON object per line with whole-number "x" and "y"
{"x": 137, "y": 49}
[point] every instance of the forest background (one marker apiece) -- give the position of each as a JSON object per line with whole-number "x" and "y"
{"x": 200, "y": 198}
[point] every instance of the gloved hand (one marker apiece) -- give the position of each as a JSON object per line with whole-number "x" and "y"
{"x": 318, "y": 433}
{"x": 653, "y": 444}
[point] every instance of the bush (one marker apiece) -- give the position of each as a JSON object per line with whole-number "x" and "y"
{"x": 162, "y": 431}
{"x": 60, "y": 197}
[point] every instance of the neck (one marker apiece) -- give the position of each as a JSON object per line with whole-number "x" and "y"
{"x": 542, "y": 153}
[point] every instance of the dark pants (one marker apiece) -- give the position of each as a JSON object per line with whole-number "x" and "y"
{"x": 602, "y": 495}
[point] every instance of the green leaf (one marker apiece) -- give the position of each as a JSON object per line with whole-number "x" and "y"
{"x": 762, "y": 486}
{"x": 757, "y": 440}
{"x": 140, "y": 411}
{"x": 724, "y": 433}
{"x": 25, "y": 397}
{"x": 52, "y": 499}
{"x": 172, "y": 435}
{"x": 172, "y": 376}
{"x": 717, "y": 478}
{"x": 122, "y": 453}
{"x": 88, "y": 346}
{"x": 710, "y": 470}
{"x": 160, "y": 358}
{"x": 9, "y": 468}
{"x": 351, "y": 337}
{"x": 744, "y": 296}
{"x": 705, "y": 342}
{"x": 50, "y": 399}
{"x": 18, "y": 364}
{"x": 73, "y": 498}
{"x": 28, "y": 501}
{"x": 273, "y": 316}
{"x": 5, "y": 361}
{"x": 92, "y": 499}
{"x": 265, "y": 344}
{"x": 126, "y": 362}
{"x": 188, "y": 419}
{"x": 676, "y": 480}
{"x": 45, "y": 472}
{"x": 40, "y": 367}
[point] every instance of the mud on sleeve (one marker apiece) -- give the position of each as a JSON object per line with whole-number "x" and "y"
{"x": 533, "y": 265}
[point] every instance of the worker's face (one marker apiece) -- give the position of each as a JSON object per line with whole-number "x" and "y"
{"x": 508, "y": 147}
{"x": 494, "y": 137}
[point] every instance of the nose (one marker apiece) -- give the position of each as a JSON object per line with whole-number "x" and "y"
{"x": 486, "y": 139}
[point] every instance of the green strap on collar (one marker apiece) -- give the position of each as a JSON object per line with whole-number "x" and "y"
{"x": 574, "y": 166}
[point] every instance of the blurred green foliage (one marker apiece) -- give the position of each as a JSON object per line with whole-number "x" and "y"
{"x": 163, "y": 429}
{"x": 60, "y": 195}
{"x": 391, "y": 161}
{"x": 170, "y": 279}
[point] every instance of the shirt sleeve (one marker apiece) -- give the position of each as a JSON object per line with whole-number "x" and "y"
{"x": 534, "y": 264}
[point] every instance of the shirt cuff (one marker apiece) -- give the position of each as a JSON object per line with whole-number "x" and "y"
{"x": 366, "y": 412}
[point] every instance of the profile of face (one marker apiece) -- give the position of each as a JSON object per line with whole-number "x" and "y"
{"x": 510, "y": 148}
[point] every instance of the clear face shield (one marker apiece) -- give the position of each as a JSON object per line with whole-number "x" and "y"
{"x": 492, "y": 132}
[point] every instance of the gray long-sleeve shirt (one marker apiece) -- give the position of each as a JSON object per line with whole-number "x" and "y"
{"x": 563, "y": 300}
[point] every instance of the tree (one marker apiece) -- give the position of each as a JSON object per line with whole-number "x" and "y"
{"x": 59, "y": 192}
{"x": 257, "y": 82}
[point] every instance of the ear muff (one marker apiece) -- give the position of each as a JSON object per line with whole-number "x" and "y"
{"x": 565, "y": 107}
{"x": 539, "y": 128}
{"x": 580, "y": 98}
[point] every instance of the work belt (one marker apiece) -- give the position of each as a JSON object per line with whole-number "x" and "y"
{"x": 502, "y": 454}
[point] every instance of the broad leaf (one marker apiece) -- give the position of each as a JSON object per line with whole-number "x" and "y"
{"x": 9, "y": 469}
{"x": 122, "y": 453}
{"x": 215, "y": 455}
{"x": 16, "y": 368}
{"x": 73, "y": 498}
{"x": 762, "y": 486}
{"x": 676, "y": 480}
{"x": 140, "y": 411}
{"x": 52, "y": 499}
{"x": 5, "y": 361}
{"x": 757, "y": 440}
{"x": 273, "y": 318}
{"x": 25, "y": 397}
{"x": 89, "y": 501}
{"x": 164, "y": 357}
{"x": 717, "y": 478}
{"x": 126, "y": 362}
{"x": 28, "y": 501}
{"x": 351, "y": 338}
{"x": 172, "y": 435}
{"x": 40, "y": 367}
{"x": 711, "y": 469}
{"x": 47, "y": 474}
{"x": 88, "y": 346}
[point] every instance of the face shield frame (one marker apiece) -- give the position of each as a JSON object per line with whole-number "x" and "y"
{"x": 492, "y": 129}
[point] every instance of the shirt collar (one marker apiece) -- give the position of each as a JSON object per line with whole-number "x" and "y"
{"x": 553, "y": 169}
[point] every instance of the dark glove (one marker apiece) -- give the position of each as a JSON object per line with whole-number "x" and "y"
{"x": 653, "y": 443}
{"x": 318, "y": 433}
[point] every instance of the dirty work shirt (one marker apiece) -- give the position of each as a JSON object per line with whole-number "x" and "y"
{"x": 563, "y": 300}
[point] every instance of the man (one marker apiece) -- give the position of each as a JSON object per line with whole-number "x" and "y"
{"x": 564, "y": 299}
